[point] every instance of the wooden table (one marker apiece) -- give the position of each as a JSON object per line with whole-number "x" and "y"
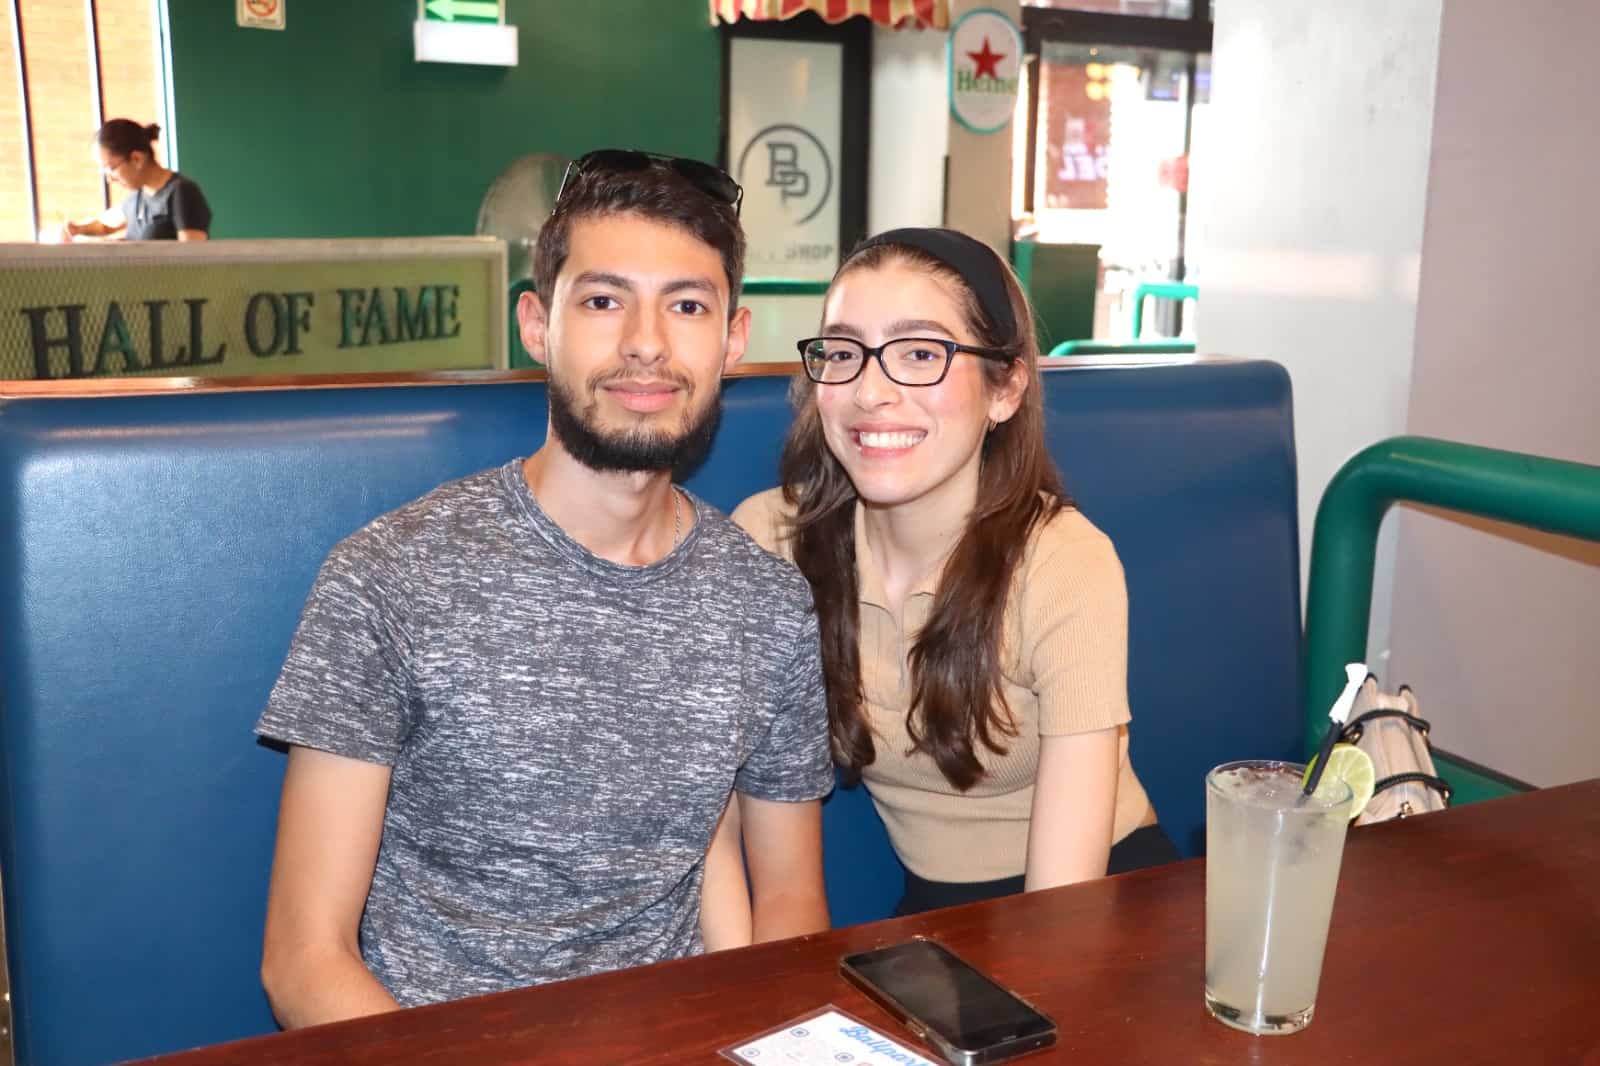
{"x": 1468, "y": 936}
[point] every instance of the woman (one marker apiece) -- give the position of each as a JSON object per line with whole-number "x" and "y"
{"x": 974, "y": 622}
{"x": 162, "y": 204}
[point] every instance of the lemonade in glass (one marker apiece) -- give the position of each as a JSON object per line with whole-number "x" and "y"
{"x": 1272, "y": 864}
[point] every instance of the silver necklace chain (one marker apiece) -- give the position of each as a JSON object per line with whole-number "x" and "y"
{"x": 677, "y": 520}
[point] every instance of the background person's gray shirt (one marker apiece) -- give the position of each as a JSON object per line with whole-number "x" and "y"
{"x": 158, "y": 216}
{"x": 564, "y": 731}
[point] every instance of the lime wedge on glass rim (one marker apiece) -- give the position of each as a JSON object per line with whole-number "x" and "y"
{"x": 1352, "y": 766}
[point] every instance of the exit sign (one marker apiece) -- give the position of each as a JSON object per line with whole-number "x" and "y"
{"x": 463, "y": 11}
{"x": 464, "y": 31}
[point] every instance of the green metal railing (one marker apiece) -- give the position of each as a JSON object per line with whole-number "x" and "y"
{"x": 1529, "y": 490}
{"x": 1164, "y": 290}
{"x": 783, "y": 287}
{"x": 1151, "y": 347}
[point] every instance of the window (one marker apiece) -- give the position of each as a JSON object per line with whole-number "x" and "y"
{"x": 1167, "y": 9}
{"x": 795, "y": 117}
{"x": 1112, "y": 105}
{"x": 66, "y": 67}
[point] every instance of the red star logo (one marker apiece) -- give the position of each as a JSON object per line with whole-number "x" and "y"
{"x": 988, "y": 62}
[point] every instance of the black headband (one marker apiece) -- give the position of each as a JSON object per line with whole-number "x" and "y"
{"x": 976, "y": 262}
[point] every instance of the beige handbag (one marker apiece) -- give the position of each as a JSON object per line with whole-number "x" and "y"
{"x": 1389, "y": 730}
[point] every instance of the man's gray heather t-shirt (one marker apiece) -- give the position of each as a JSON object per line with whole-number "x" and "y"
{"x": 564, "y": 731}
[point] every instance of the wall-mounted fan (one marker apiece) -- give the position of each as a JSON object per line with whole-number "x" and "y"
{"x": 517, "y": 204}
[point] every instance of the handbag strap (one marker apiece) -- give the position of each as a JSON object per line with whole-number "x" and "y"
{"x": 1358, "y": 723}
{"x": 1438, "y": 784}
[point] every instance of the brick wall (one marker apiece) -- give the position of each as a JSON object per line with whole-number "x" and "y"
{"x": 15, "y": 220}
{"x": 61, "y": 94}
{"x": 129, "y": 76}
{"x": 63, "y": 98}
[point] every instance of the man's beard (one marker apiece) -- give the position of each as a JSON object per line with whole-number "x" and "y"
{"x": 640, "y": 449}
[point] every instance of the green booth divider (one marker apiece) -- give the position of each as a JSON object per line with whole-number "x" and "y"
{"x": 1162, "y": 290}
{"x": 783, "y": 287}
{"x": 1167, "y": 290}
{"x": 1155, "y": 347}
{"x": 1060, "y": 280}
{"x": 1547, "y": 494}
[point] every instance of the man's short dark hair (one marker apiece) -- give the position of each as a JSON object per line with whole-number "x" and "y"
{"x": 656, "y": 193}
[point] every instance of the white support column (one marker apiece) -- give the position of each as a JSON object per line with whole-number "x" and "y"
{"x": 910, "y": 130}
{"x": 1308, "y": 219}
{"x": 1496, "y": 627}
{"x": 978, "y": 198}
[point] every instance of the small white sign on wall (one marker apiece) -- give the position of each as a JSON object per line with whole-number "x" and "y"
{"x": 985, "y": 56}
{"x": 261, "y": 14}
{"x": 785, "y": 142}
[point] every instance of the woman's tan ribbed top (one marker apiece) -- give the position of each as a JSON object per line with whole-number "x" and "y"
{"x": 1064, "y": 656}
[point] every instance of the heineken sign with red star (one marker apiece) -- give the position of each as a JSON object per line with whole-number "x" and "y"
{"x": 985, "y": 69}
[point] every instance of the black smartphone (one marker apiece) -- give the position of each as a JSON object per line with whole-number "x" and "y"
{"x": 965, "y": 1014}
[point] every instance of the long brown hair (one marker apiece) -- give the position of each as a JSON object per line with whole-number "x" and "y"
{"x": 958, "y": 694}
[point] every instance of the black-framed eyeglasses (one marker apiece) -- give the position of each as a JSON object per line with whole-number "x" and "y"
{"x": 913, "y": 361}
{"x": 713, "y": 181}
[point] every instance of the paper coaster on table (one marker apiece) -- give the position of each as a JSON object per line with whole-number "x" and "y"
{"x": 825, "y": 1037}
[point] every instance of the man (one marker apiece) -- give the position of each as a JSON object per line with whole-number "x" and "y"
{"x": 517, "y": 707}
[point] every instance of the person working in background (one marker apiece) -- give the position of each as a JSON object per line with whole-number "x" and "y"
{"x": 162, "y": 204}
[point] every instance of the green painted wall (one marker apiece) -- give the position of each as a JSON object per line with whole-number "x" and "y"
{"x": 330, "y": 129}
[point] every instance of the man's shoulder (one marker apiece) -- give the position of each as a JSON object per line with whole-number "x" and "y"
{"x": 439, "y": 517}
{"x": 757, "y": 572}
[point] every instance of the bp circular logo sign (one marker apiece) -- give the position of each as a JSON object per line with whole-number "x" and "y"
{"x": 985, "y": 69}
{"x": 786, "y": 174}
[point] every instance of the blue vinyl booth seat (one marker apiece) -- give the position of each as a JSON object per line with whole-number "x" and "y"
{"x": 155, "y": 552}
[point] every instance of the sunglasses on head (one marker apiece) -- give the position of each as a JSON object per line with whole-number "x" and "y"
{"x": 710, "y": 180}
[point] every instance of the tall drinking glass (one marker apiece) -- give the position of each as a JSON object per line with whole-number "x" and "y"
{"x": 1272, "y": 863}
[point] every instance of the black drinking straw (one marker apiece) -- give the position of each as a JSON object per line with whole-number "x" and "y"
{"x": 1335, "y": 727}
{"x": 1352, "y": 672}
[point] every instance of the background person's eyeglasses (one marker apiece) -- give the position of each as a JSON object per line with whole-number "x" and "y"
{"x": 904, "y": 361}
{"x": 110, "y": 169}
{"x": 713, "y": 181}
